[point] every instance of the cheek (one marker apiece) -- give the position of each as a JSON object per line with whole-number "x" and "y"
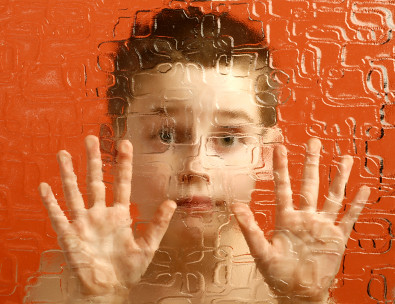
{"x": 150, "y": 183}
{"x": 243, "y": 185}
{"x": 234, "y": 185}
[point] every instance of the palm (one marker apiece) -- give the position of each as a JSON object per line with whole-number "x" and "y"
{"x": 99, "y": 247}
{"x": 98, "y": 243}
{"x": 304, "y": 254}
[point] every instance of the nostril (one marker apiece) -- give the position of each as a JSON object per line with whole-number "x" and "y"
{"x": 185, "y": 178}
{"x": 191, "y": 177}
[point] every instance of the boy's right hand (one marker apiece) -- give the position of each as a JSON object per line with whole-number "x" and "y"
{"x": 98, "y": 242}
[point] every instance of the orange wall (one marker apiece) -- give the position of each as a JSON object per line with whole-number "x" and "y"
{"x": 340, "y": 59}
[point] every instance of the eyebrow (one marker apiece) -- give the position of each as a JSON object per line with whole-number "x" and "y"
{"x": 237, "y": 114}
{"x": 227, "y": 114}
{"x": 165, "y": 110}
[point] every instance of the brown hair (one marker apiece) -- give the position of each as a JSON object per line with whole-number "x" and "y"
{"x": 177, "y": 35}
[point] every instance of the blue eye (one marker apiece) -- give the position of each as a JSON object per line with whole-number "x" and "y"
{"x": 166, "y": 136}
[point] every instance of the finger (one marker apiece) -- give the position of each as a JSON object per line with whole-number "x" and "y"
{"x": 352, "y": 215}
{"x": 158, "y": 226}
{"x": 123, "y": 175}
{"x": 72, "y": 195}
{"x": 58, "y": 220}
{"x": 281, "y": 179}
{"x": 334, "y": 200}
{"x": 311, "y": 176}
{"x": 259, "y": 246}
{"x": 94, "y": 178}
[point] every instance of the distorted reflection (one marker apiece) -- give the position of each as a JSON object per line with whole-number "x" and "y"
{"x": 197, "y": 100}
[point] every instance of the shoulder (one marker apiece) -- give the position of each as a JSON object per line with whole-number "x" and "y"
{"x": 49, "y": 282}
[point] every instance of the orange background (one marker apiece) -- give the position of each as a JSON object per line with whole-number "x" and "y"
{"x": 339, "y": 58}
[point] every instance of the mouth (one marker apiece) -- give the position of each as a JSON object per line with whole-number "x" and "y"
{"x": 198, "y": 203}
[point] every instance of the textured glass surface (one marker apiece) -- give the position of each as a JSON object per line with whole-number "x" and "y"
{"x": 288, "y": 71}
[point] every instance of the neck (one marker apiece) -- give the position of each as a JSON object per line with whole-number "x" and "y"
{"x": 213, "y": 267}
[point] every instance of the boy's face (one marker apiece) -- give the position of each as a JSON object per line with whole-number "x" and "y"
{"x": 198, "y": 140}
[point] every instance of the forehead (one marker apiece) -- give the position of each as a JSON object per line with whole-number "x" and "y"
{"x": 178, "y": 75}
{"x": 180, "y": 86}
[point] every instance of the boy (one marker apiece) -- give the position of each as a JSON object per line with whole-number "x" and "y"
{"x": 193, "y": 105}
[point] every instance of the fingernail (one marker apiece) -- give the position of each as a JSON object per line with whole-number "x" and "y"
{"x": 124, "y": 147}
{"x": 92, "y": 147}
{"x": 66, "y": 161}
{"x": 43, "y": 189}
{"x": 170, "y": 213}
{"x": 243, "y": 217}
{"x": 173, "y": 205}
{"x": 238, "y": 209}
{"x": 346, "y": 163}
{"x": 365, "y": 190}
{"x": 90, "y": 143}
{"x": 313, "y": 146}
{"x": 242, "y": 212}
{"x": 347, "y": 158}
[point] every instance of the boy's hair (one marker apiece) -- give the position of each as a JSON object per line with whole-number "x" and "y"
{"x": 215, "y": 40}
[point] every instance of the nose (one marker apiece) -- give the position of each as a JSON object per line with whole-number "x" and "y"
{"x": 193, "y": 177}
{"x": 191, "y": 167}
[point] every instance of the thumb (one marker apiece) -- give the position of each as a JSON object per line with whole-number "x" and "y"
{"x": 160, "y": 222}
{"x": 258, "y": 244}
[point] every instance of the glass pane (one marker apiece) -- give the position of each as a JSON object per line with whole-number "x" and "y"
{"x": 211, "y": 95}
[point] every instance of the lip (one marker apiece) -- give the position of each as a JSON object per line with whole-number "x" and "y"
{"x": 201, "y": 203}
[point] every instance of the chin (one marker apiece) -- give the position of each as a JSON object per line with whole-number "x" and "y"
{"x": 197, "y": 229}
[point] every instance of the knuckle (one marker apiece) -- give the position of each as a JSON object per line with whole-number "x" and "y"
{"x": 96, "y": 185}
{"x": 307, "y": 197}
{"x": 334, "y": 197}
{"x": 160, "y": 221}
{"x": 310, "y": 181}
{"x": 284, "y": 192}
{"x": 72, "y": 193}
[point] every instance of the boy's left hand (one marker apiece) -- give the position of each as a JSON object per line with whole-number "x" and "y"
{"x": 305, "y": 252}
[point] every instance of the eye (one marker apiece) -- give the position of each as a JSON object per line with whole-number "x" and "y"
{"x": 225, "y": 143}
{"x": 227, "y": 140}
{"x": 166, "y": 135}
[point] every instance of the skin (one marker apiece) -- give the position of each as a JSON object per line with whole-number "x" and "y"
{"x": 98, "y": 243}
{"x": 298, "y": 263}
{"x": 305, "y": 252}
{"x": 185, "y": 166}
